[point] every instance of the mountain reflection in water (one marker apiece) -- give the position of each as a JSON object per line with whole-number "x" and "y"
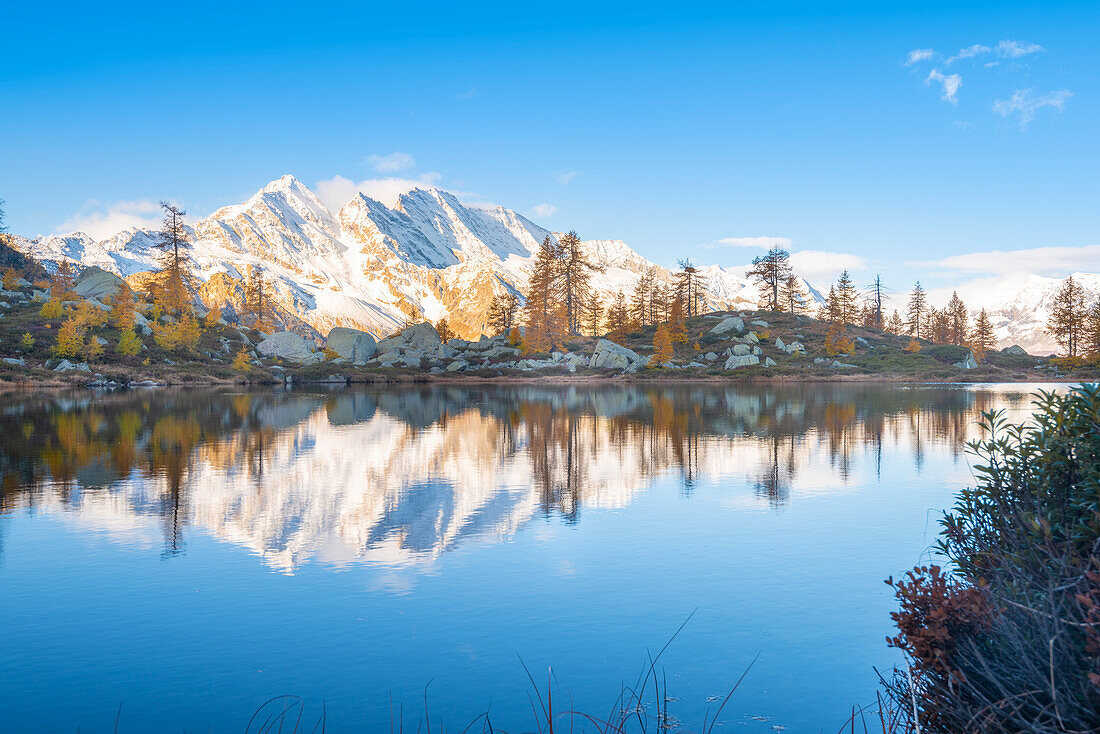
{"x": 399, "y": 476}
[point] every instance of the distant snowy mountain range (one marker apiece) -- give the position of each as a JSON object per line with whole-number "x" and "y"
{"x": 372, "y": 266}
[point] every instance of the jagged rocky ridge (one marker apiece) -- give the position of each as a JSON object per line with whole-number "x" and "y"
{"x": 368, "y": 266}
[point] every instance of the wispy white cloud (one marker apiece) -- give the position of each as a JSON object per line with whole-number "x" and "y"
{"x": 1057, "y": 261}
{"x": 391, "y": 162}
{"x": 468, "y": 94}
{"x": 819, "y": 266}
{"x": 1024, "y": 104}
{"x": 1016, "y": 49}
{"x": 918, "y": 55}
{"x": 544, "y": 210}
{"x": 968, "y": 53}
{"x": 949, "y": 82}
{"x": 566, "y": 176}
{"x": 764, "y": 242}
{"x": 101, "y": 222}
{"x": 337, "y": 191}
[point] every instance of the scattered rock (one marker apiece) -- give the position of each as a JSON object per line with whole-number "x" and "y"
{"x": 1015, "y": 349}
{"x": 839, "y": 365}
{"x": 769, "y": 362}
{"x": 967, "y": 364}
{"x": 752, "y": 338}
{"x": 458, "y": 365}
{"x": 730, "y": 323}
{"x": 741, "y": 361}
{"x": 758, "y": 322}
{"x": 710, "y": 356}
{"x": 609, "y": 355}
{"x": 352, "y": 344}
{"x": 289, "y": 346}
{"x": 739, "y": 349}
{"x": 14, "y": 361}
{"x": 95, "y": 282}
{"x": 67, "y": 366}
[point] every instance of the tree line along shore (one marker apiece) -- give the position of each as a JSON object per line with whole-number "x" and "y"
{"x": 91, "y": 326}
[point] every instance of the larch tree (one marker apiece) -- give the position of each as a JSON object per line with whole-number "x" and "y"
{"x": 958, "y": 321}
{"x": 895, "y": 324}
{"x": 1091, "y": 337}
{"x": 915, "y": 311}
{"x": 592, "y": 314}
{"x": 662, "y": 346}
{"x": 982, "y": 339}
{"x": 847, "y": 300}
{"x": 641, "y": 304}
{"x": 443, "y": 328}
{"x": 691, "y": 286}
{"x": 877, "y": 297}
{"x": 793, "y": 297}
{"x": 545, "y": 312}
{"x": 502, "y": 312}
{"x": 769, "y": 272}
{"x": 122, "y": 308}
{"x": 830, "y": 310}
{"x": 63, "y": 282}
{"x": 1067, "y": 317}
{"x": 618, "y": 316}
{"x": 677, "y": 328}
{"x": 172, "y": 286}
{"x": 576, "y": 278}
{"x": 258, "y": 293}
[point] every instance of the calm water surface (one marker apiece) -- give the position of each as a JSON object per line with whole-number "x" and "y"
{"x": 191, "y": 554}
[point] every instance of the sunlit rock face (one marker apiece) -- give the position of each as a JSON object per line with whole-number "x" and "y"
{"x": 370, "y": 265}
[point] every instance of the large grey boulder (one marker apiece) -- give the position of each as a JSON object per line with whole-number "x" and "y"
{"x": 67, "y": 366}
{"x": 352, "y": 344}
{"x": 421, "y": 336}
{"x": 1015, "y": 349}
{"x": 289, "y": 346}
{"x": 741, "y": 360}
{"x": 731, "y": 323}
{"x": 739, "y": 349}
{"x": 967, "y": 364}
{"x": 95, "y": 282}
{"x": 611, "y": 356}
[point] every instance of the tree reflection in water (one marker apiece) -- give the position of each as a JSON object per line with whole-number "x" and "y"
{"x": 396, "y": 474}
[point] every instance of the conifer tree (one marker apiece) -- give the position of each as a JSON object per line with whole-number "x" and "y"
{"x": 51, "y": 309}
{"x": 641, "y": 305}
{"x": 27, "y": 342}
{"x": 895, "y": 325}
{"x": 592, "y": 314}
{"x": 982, "y": 338}
{"x": 92, "y": 349}
{"x": 662, "y": 345}
{"x": 122, "y": 308}
{"x": 1067, "y": 316}
{"x": 11, "y": 275}
{"x": 691, "y": 286}
{"x": 172, "y": 284}
{"x": 443, "y": 328}
{"x": 63, "y": 282}
{"x": 830, "y": 310}
{"x": 258, "y": 299}
{"x": 958, "y": 322}
{"x": 241, "y": 362}
{"x": 915, "y": 312}
{"x": 847, "y": 301}
{"x": 877, "y": 297}
{"x": 129, "y": 343}
{"x": 70, "y": 339}
{"x": 618, "y": 316}
{"x": 677, "y": 328}
{"x": 502, "y": 312}
{"x": 770, "y": 271}
{"x": 545, "y": 311}
{"x": 1091, "y": 337}
{"x": 576, "y": 275}
{"x": 792, "y": 296}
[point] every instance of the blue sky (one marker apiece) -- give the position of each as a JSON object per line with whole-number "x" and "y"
{"x": 679, "y": 128}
